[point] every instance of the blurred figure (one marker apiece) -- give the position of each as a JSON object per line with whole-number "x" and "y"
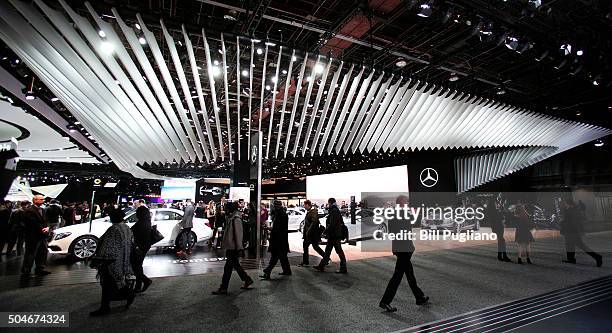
{"x": 69, "y": 214}
{"x": 211, "y": 215}
{"x": 334, "y": 234}
{"x": 495, "y": 219}
{"x": 5, "y": 226}
{"x": 311, "y": 233}
{"x": 186, "y": 224}
{"x": 523, "y": 235}
{"x": 142, "y": 238}
{"x": 279, "y": 241}
{"x": 220, "y": 220}
{"x": 573, "y": 231}
{"x": 36, "y": 231}
{"x": 232, "y": 242}
{"x": 54, "y": 213}
{"x": 16, "y": 236}
{"x": 403, "y": 250}
{"x": 200, "y": 210}
{"x": 263, "y": 218}
{"x": 112, "y": 260}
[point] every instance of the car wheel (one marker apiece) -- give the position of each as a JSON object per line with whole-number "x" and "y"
{"x": 382, "y": 228}
{"x": 84, "y": 247}
{"x": 191, "y": 241}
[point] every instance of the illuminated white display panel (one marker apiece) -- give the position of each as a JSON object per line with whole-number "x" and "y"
{"x": 178, "y": 189}
{"x": 343, "y": 185}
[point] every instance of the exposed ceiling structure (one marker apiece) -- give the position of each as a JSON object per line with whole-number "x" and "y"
{"x": 316, "y": 78}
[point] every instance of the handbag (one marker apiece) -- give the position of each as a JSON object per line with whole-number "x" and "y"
{"x": 156, "y": 236}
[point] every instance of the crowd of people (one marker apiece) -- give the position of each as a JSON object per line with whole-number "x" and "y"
{"x": 121, "y": 251}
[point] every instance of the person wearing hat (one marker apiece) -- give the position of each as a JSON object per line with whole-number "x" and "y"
{"x": 279, "y": 241}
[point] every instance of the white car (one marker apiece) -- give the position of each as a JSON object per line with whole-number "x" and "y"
{"x": 296, "y": 217}
{"x": 78, "y": 241}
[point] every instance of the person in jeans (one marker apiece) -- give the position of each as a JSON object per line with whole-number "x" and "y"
{"x": 333, "y": 231}
{"x": 279, "y": 241}
{"x": 186, "y": 225}
{"x": 403, "y": 250}
{"x": 232, "y": 242}
{"x": 311, "y": 233}
{"x": 142, "y": 238}
{"x": 573, "y": 231}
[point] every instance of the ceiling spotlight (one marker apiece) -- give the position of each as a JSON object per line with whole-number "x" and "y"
{"x": 259, "y": 51}
{"x": 599, "y": 143}
{"x": 285, "y": 71}
{"x": 425, "y": 10}
{"x": 54, "y": 99}
{"x": 216, "y": 71}
{"x": 535, "y": 3}
{"x": 579, "y": 52}
{"x": 401, "y": 63}
{"x": 245, "y": 73}
{"x": 566, "y": 49}
{"x": 596, "y": 81}
{"x": 15, "y": 61}
{"x": 274, "y": 79}
{"x": 318, "y": 69}
{"x": 453, "y": 77}
{"x": 101, "y": 33}
{"x": 293, "y": 58}
{"x": 267, "y": 87}
{"x": 107, "y": 47}
{"x": 231, "y": 16}
{"x": 500, "y": 91}
{"x": 578, "y": 113}
{"x": 29, "y": 95}
{"x": 511, "y": 43}
{"x": 216, "y": 62}
{"x": 308, "y": 79}
{"x": 142, "y": 41}
{"x": 485, "y": 30}
{"x": 137, "y": 26}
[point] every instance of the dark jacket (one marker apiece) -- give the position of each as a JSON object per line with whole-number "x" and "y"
{"x": 334, "y": 224}
{"x": 16, "y": 221}
{"x": 5, "y": 216}
{"x": 53, "y": 211}
{"x": 311, "y": 230}
{"x": 401, "y": 226}
{"x": 34, "y": 220}
{"x": 279, "y": 236}
{"x": 142, "y": 228}
{"x": 571, "y": 224}
{"x": 495, "y": 219}
{"x": 233, "y": 237}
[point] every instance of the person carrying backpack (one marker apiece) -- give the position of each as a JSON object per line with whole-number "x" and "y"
{"x": 335, "y": 232}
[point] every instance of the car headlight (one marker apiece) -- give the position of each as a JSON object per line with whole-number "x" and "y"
{"x": 61, "y": 235}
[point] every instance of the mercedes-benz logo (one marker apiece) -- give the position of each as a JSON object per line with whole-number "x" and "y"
{"x": 429, "y": 177}
{"x": 254, "y": 154}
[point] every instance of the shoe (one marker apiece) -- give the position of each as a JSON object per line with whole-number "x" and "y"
{"x": 529, "y": 261}
{"x": 387, "y": 307}
{"x": 506, "y": 259}
{"x": 220, "y": 291}
{"x": 303, "y": 265}
{"x": 100, "y": 312}
{"x": 246, "y": 284}
{"x": 130, "y": 300}
{"x": 138, "y": 288}
{"x": 42, "y": 273}
{"x": 569, "y": 261}
{"x": 422, "y": 300}
{"x": 519, "y": 261}
{"x": 499, "y": 256}
{"x": 599, "y": 260}
{"x": 146, "y": 285}
{"x": 341, "y": 271}
{"x": 284, "y": 273}
{"x": 319, "y": 268}
{"x": 265, "y": 276}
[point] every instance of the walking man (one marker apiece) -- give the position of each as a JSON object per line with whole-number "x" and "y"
{"x": 572, "y": 230}
{"x": 36, "y": 231}
{"x": 311, "y": 233}
{"x": 186, "y": 225}
{"x": 334, "y": 232}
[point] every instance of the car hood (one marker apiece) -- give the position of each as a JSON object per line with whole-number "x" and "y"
{"x": 83, "y": 228}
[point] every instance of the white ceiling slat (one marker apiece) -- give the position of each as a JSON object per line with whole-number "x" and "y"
{"x": 312, "y": 76}
{"x": 251, "y": 69}
{"x": 283, "y": 108}
{"x": 387, "y": 130}
{"x": 315, "y": 107}
{"x": 193, "y": 149}
{"x": 331, "y": 122}
{"x": 411, "y": 130}
{"x": 187, "y": 94}
{"x": 435, "y": 133}
{"x": 359, "y": 100}
{"x": 362, "y": 113}
{"x": 213, "y": 94}
{"x": 263, "y": 90}
{"x": 403, "y": 111}
{"x": 238, "y": 95}
{"x": 296, "y": 100}
{"x": 429, "y": 123}
{"x": 345, "y": 109}
{"x": 173, "y": 129}
{"x": 370, "y": 113}
{"x": 386, "y": 115}
{"x": 274, "y": 92}
{"x": 452, "y": 137}
{"x": 378, "y": 110}
{"x": 455, "y": 112}
{"x": 198, "y": 85}
{"x": 328, "y": 99}
{"x": 411, "y": 112}
{"x": 226, "y": 91}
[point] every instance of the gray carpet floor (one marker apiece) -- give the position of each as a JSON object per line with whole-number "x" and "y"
{"x": 458, "y": 281}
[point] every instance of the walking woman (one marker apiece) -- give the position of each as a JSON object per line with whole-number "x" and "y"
{"x": 523, "y": 235}
{"x": 494, "y": 217}
{"x": 211, "y": 214}
{"x": 112, "y": 260}
{"x": 279, "y": 241}
{"x": 142, "y": 239}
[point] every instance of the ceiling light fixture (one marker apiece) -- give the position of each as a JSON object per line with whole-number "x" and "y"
{"x": 599, "y": 143}
{"x": 101, "y": 33}
{"x": 216, "y": 71}
{"x": 107, "y": 47}
{"x": 425, "y": 10}
{"x": 579, "y": 52}
{"x": 245, "y": 73}
{"x": 401, "y": 63}
{"x": 319, "y": 69}
{"x": 142, "y": 41}
{"x": 259, "y": 51}
{"x": 453, "y": 77}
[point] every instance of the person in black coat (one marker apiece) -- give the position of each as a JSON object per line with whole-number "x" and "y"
{"x": 495, "y": 219}
{"x": 16, "y": 236}
{"x": 279, "y": 241}
{"x": 334, "y": 235}
{"x": 36, "y": 231}
{"x": 403, "y": 250}
{"x": 311, "y": 233}
{"x": 54, "y": 213}
{"x": 142, "y": 238}
{"x": 573, "y": 230}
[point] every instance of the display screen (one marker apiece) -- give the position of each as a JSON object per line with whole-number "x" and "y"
{"x": 177, "y": 189}
{"x": 343, "y": 185}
